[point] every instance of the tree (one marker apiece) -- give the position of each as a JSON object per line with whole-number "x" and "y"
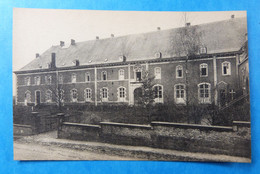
{"x": 146, "y": 100}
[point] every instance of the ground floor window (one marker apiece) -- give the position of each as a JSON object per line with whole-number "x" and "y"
{"x": 104, "y": 94}
{"x": 122, "y": 94}
{"x": 180, "y": 94}
{"x": 48, "y": 96}
{"x": 27, "y": 97}
{"x": 87, "y": 94}
{"x": 204, "y": 92}
{"x": 158, "y": 94}
{"x": 74, "y": 95}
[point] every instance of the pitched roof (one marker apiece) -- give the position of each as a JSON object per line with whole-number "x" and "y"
{"x": 222, "y": 36}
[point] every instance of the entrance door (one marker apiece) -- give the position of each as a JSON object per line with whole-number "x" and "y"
{"x": 38, "y": 98}
{"x": 223, "y": 97}
{"x": 138, "y": 76}
{"x": 137, "y": 95}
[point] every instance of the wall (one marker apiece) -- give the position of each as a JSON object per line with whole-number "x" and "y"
{"x": 22, "y": 130}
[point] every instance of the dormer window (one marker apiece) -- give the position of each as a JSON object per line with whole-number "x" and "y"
{"x": 203, "y": 50}
{"x": 158, "y": 55}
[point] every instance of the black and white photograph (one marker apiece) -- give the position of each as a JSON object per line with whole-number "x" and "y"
{"x": 131, "y": 85}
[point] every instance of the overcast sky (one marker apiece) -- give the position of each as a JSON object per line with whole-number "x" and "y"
{"x": 36, "y": 30}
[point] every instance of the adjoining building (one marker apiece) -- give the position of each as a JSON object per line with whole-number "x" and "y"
{"x": 110, "y": 70}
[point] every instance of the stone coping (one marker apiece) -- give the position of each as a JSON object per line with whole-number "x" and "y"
{"x": 126, "y": 125}
{"x": 22, "y": 125}
{"x": 192, "y": 126}
{"x": 80, "y": 124}
{"x": 242, "y": 123}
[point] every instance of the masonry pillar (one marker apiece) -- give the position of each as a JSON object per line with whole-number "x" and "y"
{"x": 35, "y": 122}
{"x": 95, "y": 86}
{"x": 60, "y": 120}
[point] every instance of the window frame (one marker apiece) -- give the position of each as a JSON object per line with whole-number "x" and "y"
{"x": 27, "y": 81}
{"x": 29, "y": 97}
{"x": 73, "y": 78}
{"x": 158, "y": 99}
{"x": 48, "y": 79}
{"x": 102, "y": 77}
{"x": 201, "y": 67}
{"x": 156, "y": 74}
{"x": 204, "y": 100}
{"x": 229, "y": 68}
{"x": 179, "y": 67}
{"x": 87, "y": 77}
{"x": 71, "y": 95}
{"x": 121, "y": 74}
{"x": 60, "y": 80}
{"x": 37, "y": 79}
{"x": 48, "y": 99}
{"x": 121, "y": 99}
{"x": 88, "y": 94}
{"x": 180, "y": 100}
{"x": 102, "y": 94}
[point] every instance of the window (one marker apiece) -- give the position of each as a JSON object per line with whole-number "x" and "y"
{"x": 37, "y": 80}
{"x": 87, "y": 94}
{"x": 73, "y": 78}
{"x": 121, "y": 94}
{"x": 204, "y": 92}
{"x": 60, "y": 79}
{"x": 103, "y": 75}
{"x": 61, "y": 96}
{"x": 104, "y": 94}
{"x": 48, "y": 80}
{"x": 203, "y": 50}
{"x": 158, "y": 94}
{"x": 157, "y": 73}
{"x": 27, "y": 97}
{"x": 203, "y": 70}
{"x": 179, "y": 71}
{"x": 138, "y": 76}
{"x": 74, "y": 95}
{"x": 87, "y": 77}
{"x": 27, "y": 81}
{"x": 48, "y": 96}
{"x": 121, "y": 74}
{"x": 180, "y": 94}
{"x": 226, "y": 68}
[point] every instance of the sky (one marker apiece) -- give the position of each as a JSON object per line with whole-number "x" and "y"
{"x": 36, "y": 30}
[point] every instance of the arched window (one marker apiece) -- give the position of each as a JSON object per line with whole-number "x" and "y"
{"x": 158, "y": 93}
{"x": 121, "y": 74}
{"x": 73, "y": 78}
{"x": 27, "y": 97}
{"x": 60, "y": 79}
{"x": 27, "y": 81}
{"x": 74, "y": 95}
{"x": 104, "y": 94}
{"x": 204, "y": 93}
{"x": 87, "y": 77}
{"x": 103, "y": 75}
{"x": 121, "y": 93}
{"x": 157, "y": 73}
{"x": 48, "y": 96}
{"x": 203, "y": 70}
{"x": 37, "y": 80}
{"x": 180, "y": 94}
{"x": 226, "y": 68}
{"x": 179, "y": 71}
{"x": 87, "y": 94}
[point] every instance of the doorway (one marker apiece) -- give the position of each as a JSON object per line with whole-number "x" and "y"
{"x": 137, "y": 94}
{"x": 37, "y": 98}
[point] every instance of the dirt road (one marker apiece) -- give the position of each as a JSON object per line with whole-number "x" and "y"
{"x": 40, "y": 152}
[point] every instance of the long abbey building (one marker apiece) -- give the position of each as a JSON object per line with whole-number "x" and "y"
{"x": 110, "y": 70}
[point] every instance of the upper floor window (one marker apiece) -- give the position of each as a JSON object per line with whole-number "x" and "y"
{"x": 203, "y": 70}
{"x": 60, "y": 79}
{"x": 104, "y": 94}
{"x": 158, "y": 94}
{"x": 103, "y": 75}
{"x": 48, "y": 96}
{"x": 87, "y": 77}
{"x": 27, "y": 81}
{"x": 37, "y": 80}
{"x": 204, "y": 93}
{"x": 226, "y": 68}
{"x": 27, "y": 97}
{"x": 74, "y": 95}
{"x": 180, "y": 93}
{"x": 121, "y": 93}
{"x": 179, "y": 71}
{"x": 87, "y": 94}
{"x": 48, "y": 80}
{"x": 157, "y": 73}
{"x": 121, "y": 74}
{"x": 73, "y": 78}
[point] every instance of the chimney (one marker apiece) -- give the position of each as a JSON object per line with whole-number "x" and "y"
{"x": 37, "y": 55}
{"x": 72, "y": 42}
{"x": 53, "y": 60}
{"x": 112, "y": 35}
{"x": 187, "y": 24}
{"x": 77, "y": 62}
{"x": 232, "y": 16}
{"x": 62, "y": 43}
{"x": 97, "y": 37}
{"x": 158, "y": 28}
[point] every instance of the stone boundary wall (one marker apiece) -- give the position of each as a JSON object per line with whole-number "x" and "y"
{"x": 226, "y": 140}
{"x": 22, "y": 130}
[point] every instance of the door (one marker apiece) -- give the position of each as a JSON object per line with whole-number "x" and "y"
{"x": 38, "y": 98}
{"x": 137, "y": 95}
{"x": 223, "y": 97}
